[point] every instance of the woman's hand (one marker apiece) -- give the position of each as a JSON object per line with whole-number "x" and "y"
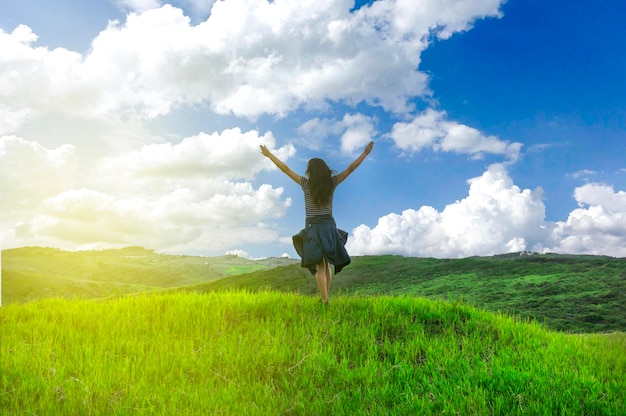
{"x": 368, "y": 148}
{"x": 352, "y": 166}
{"x": 265, "y": 151}
{"x": 280, "y": 164}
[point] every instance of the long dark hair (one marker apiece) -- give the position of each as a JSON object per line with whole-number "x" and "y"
{"x": 320, "y": 181}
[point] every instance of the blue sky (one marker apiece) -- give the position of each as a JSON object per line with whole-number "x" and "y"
{"x": 499, "y": 126}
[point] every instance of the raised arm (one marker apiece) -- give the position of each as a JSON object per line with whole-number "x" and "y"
{"x": 281, "y": 165}
{"x": 352, "y": 166}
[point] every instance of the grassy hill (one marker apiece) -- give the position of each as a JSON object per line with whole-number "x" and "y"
{"x": 32, "y": 273}
{"x": 278, "y": 353}
{"x": 571, "y": 293}
{"x": 567, "y": 293}
{"x": 232, "y": 336}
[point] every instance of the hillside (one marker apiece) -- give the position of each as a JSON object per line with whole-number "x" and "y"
{"x": 276, "y": 353}
{"x": 32, "y": 273}
{"x": 567, "y": 293}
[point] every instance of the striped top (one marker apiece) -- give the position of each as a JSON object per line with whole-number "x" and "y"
{"x": 311, "y": 209}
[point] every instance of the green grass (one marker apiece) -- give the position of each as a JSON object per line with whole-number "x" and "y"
{"x": 31, "y": 273}
{"x": 240, "y": 269}
{"x": 238, "y": 353}
{"x": 225, "y": 335}
{"x": 567, "y": 293}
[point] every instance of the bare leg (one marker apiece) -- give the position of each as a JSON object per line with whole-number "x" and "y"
{"x": 322, "y": 276}
{"x": 329, "y": 275}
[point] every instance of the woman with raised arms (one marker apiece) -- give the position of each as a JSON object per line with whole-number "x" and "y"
{"x": 320, "y": 243}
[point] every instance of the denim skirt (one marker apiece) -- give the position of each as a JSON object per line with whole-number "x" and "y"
{"x": 321, "y": 237}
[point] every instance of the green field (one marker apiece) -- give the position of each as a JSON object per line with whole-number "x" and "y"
{"x": 566, "y": 293}
{"x": 32, "y": 273}
{"x": 277, "y": 353}
{"x": 501, "y": 335}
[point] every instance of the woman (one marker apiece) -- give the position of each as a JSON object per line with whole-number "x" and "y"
{"x": 320, "y": 243}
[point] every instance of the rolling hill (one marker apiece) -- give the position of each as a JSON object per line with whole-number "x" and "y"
{"x": 273, "y": 353}
{"x": 567, "y": 293}
{"x": 31, "y": 273}
{"x": 234, "y": 336}
{"x": 571, "y": 293}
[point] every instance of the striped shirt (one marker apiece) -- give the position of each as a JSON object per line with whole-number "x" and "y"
{"x": 311, "y": 209}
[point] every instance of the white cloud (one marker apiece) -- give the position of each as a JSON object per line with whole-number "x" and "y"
{"x": 172, "y": 197}
{"x": 598, "y": 226}
{"x": 431, "y": 129}
{"x": 238, "y": 253}
{"x": 248, "y": 58}
{"x": 496, "y": 216}
{"x": 197, "y": 8}
{"x": 359, "y": 132}
{"x": 11, "y": 119}
{"x": 583, "y": 173}
{"x": 596, "y": 194}
{"x": 29, "y": 172}
{"x": 35, "y": 79}
{"x": 316, "y": 129}
{"x": 139, "y": 6}
{"x": 180, "y": 218}
{"x": 443, "y": 17}
{"x": 230, "y": 154}
{"x": 356, "y": 131}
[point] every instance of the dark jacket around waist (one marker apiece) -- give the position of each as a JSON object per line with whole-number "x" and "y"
{"x": 320, "y": 238}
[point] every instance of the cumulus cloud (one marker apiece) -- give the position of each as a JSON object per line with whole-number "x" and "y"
{"x": 34, "y": 79}
{"x": 355, "y": 131}
{"x": 317, "y": 129}
{"x": 247, "y": 58}
{"x": 602, "y": 195}
{"x": 193, "y": 195}
{"x": 250, "y": 58}
{"x": 496, "y": 216}
{"x": 431, "y": 129}
{"x": 29, "y": 172}
{"x": 598, "y": 226}
{"x": 359, "y": 132}
{"x": 452, "y": 15}
{"x": 230, "y": 154}
{"x": 181, "y": 218}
